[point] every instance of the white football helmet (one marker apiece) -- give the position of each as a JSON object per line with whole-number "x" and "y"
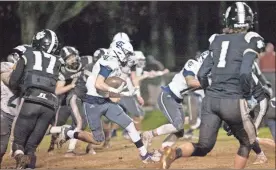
{"x": 122, "y": 49}
{"x": 141, "y": 58}
{"x": 121, "y": 36}
{"x": 202, "y": 56}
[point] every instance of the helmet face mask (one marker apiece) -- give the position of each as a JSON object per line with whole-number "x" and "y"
{"x": 71, "y": 57}
{"x": 239, "y": 16}
{"x": 122, "y": 49}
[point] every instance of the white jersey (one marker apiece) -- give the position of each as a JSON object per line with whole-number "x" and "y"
{"x": 6, "y": 93}
{"x": 108, "y": 60}
{"x": 178, "y": 84}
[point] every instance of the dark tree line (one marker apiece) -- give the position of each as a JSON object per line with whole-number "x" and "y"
{"x": 171, "y": 31}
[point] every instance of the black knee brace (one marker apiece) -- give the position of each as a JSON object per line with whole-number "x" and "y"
{"x": 201, "y": 149}
{"x": 244, "y": 151}
{"x": 179, "y": 134}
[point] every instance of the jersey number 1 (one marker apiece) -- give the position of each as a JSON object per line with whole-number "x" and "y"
{"x": 38, "y": 62}
{"x": 223, "y": 53}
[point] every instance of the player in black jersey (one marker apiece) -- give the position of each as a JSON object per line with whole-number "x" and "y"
{"x": 228, "y": 97}
{"x": 34, "y": 79}
{"x": 70, "y": 72}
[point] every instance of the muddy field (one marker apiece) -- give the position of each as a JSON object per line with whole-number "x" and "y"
{"x": 124, "y": 155}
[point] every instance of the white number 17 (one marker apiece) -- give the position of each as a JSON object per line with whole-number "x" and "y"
{"x": 38, "y": 62}
{"x": 223, "y": 52}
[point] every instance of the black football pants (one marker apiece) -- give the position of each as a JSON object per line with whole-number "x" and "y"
{"x": 234, "y": 113}
{"x": 31, "y": 125}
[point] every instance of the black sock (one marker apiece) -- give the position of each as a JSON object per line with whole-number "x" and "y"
{"x": 178, "y": 153}
{"x": 256, "y": 148}
{"x": 76, "y": 134}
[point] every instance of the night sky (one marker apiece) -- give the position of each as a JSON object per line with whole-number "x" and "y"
{"x": 77, "y": 33}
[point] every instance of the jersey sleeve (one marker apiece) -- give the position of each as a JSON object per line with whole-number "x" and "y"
{"x": 109, "y": 62}
{"x": 190, "y": 68}
{"x": 255, "y": 42}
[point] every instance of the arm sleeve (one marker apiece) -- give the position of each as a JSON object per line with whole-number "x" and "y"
{"x": 189, "y": 68}
{"x": 259, "y": 74}
{"x": 105, "y": 71}
{"x": 204, "y": 71}
{"x": 17, "y": 74}
{"x": 246, "y": 73}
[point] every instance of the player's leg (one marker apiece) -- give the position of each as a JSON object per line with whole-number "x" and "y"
{"x": 79, "y": 121}
{"x": 174, "y": 113}
{"x": 93, "y": 114}
{"x": 62, "y": 116}
{"x": 194, "y": 109}
{"x": 35, "y": 138}
{"x": 5, "y": 131}
{"x": 236, "y": 114}
{"x": 24, "y": 126}
{"x": 116, "y": 114}
{"x": 136, "y": 112}
{"x": 208, "y": 132}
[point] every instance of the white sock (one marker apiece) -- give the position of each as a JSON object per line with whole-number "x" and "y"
{"x": 70, "y": 134}
{"x": 262, "y": 153}
{"x": 169, "y": 140}
{"x": 72, "y": 144}
{"x": 166, "y": 129}
{"x": 135, "y": 137}
{"x": 55, "y": 129}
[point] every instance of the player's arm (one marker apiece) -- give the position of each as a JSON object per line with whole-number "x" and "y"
{"x": 17, "y": 74}
{"x": 246, "y": 73}
{"x": 255, "y": 46}
{"x": 260, "y": 75}
{"x": 61, "y": 88}
{"x": 100, "y": 80}
{"x": 189, "y": 74}
{"x": 204, "y": 71}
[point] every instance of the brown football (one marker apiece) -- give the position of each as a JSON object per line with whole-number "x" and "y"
{"x": 114, "y": 82}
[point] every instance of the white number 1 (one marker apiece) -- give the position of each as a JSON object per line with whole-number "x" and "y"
{"x": 38, "y": 62}
{"x": 224, "y": 48}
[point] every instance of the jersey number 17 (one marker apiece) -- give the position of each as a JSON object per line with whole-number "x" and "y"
{"x": 38, "y": 62}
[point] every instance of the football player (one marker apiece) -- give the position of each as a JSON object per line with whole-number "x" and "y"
{"x": 35, "y": 78}
{"x": 9, "y": 106}
{"x": 97, "y": 103}
{"x": 229, "y": 97}
{"x": 170, "y": 99}
{"x": 70, "y": 72}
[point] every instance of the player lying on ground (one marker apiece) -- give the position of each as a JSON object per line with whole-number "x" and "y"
{"x": 229, "y": 97}
{"x": 169, "y": 101}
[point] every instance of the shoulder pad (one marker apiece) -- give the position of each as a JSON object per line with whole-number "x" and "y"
{"x": 190, "y": 64}
{"x": 86, "y": 60}
{"x": 250, "y": 35}
{"x": 109, "y": 62}
{"x": 211, "y": 39}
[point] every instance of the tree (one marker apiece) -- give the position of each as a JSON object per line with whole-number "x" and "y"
{"x": 35, "y": 15}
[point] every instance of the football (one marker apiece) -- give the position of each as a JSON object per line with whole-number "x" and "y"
{"x": 114, "y": 82}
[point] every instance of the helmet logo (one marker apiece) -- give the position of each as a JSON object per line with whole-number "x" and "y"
{"x": 40, "y": 35}
{"x": 119, "y": 44}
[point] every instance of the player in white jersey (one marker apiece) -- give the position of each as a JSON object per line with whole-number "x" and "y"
{"x": 170, "y": 100}
{"x": 9, "y": 108}
{"x": 97, "y": 103}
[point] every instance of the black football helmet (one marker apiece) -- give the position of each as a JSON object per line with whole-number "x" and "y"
{"x": 239, "y": 15}
{"x": 71, "y": 57}
{"x": 46, "y": 40}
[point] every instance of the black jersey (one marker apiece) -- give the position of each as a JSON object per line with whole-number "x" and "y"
{"x": 225, "y": 61}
